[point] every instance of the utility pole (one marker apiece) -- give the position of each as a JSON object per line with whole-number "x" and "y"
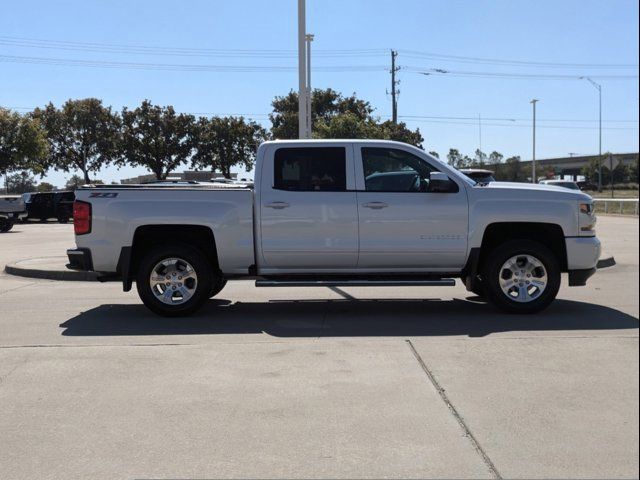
{"x": 533, "y": 161}
{"x": 599, "y": 88}
{"x": 302, "y": 72}
{"x": 394, "y": 83}
{"x": 308, "y": 39}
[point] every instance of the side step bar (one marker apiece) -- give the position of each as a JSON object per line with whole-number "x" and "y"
{"x": 443, "y": 282}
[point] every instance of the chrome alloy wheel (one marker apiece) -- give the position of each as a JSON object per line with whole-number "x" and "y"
{"x": 173, "y": 281}
{"x": 523, "y": 278}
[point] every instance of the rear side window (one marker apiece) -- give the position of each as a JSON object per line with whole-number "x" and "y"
{"x": 321, "y": 169}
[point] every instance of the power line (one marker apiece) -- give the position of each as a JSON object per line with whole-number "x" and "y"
{"x": 521, "y": 76}
{"x": 515, "y": 125}
{"x": 522, "y": 63}
{"x": 97, "y": 47}
{"x": 514, "y": 119}
{"x": 180, "y": 67}
{"x": 176, "y": 51}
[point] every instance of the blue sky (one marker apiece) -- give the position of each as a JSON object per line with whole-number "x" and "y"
{"x": 563, "y": 32}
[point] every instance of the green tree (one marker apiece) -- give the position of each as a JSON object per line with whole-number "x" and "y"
{"x": 633, "y": 172}
{"x": 21, "y": 182}
{"x": 223, "y": 142}
{"x": 157, "y": 138}
{"x": 398, "y": 132}
{"x": 479, "y": 158}
{"x": 22, "y": 142}
{"x": 45, "y": 187}
{"x": 495, "y": 157}
{"x": 325, "y": 104}
{"x": 82, "y": 135}
{"x": 513, "y": 169}
{"x": 621, "y": 173}
{"x": 74, "y": 182}
{"x": 434, "y": 154}
{"x": 336, "y": 116}
{"x": 454, "y": 158}
{"x": 590, "y": 170}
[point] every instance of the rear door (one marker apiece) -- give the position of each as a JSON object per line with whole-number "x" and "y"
{"x": 308, "y": 213}
{"x": 402, "y": 223}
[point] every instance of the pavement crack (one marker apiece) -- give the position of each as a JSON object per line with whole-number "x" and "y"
{"x": 467, "y": 432}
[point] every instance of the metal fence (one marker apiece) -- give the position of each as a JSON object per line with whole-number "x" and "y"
{"x": 621, "y": 206}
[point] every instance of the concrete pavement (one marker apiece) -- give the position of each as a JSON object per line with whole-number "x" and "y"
{"x": 342, "y": 383}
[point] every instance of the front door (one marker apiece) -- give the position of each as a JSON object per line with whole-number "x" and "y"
{"x": 401, "y": 223}
{"x": 308, "y": 213}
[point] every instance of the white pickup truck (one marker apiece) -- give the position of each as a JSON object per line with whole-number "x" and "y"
{"x": 336, "y": 213}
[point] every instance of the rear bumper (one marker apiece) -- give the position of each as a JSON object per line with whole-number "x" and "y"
{"x": 578, "y": 278}
{"x": 13, "y": 215}
{"x": 79, "y": 259}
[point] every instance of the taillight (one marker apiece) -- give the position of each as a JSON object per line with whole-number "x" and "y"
{"x": 81, "y": 217}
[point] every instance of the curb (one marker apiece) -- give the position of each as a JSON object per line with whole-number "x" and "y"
{"x": 16, "y": 269}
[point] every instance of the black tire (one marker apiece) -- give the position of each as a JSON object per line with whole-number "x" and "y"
{"x": 218, "y": 284}
{"x": 5, "y": 225}
{"x": 200, "y": 293}
{"x": 492, "y": 271}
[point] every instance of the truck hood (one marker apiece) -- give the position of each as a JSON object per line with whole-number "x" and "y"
{"x": 535, "y": 190}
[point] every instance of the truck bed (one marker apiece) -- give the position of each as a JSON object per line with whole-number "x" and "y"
{"x": 118, "y": 211}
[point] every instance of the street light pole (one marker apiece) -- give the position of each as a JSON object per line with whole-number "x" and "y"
{"x": 599, "y": 88}
{"x": 533, "y": 158}
{"x": 308, "y": 39}
{"x": 302, "y": 74}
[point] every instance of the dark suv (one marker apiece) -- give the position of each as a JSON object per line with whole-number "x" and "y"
{"x": 43, "y": 206}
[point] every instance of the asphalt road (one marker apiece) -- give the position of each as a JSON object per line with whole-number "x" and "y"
{"x": 353, "y": 382}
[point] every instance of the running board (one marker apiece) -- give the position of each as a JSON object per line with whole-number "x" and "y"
{"x": 443, "y": 282}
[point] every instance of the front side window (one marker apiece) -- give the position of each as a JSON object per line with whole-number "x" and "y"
{"x": 321, "y": 169}
{"x": 394, "y": 170}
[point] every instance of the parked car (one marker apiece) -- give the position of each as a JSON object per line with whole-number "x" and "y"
{"x": 12, "y": 209}
{"x": 479, "y": 175}
{"x": 46, "y": 205}
{"x": 587, "y": 186}
{"x": 561, "y": 183}
{"x": 314, "y": 219}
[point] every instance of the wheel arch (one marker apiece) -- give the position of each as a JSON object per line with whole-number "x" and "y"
{"x": 148, "y": 236}
{"x": 550, "y": 235}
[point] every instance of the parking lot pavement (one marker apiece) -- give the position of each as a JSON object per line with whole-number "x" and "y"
{"x": 357, "y": 382}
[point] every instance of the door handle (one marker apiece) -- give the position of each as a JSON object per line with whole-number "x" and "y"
{"x": 375, "y": 205}
{"x": 277, "y": 205}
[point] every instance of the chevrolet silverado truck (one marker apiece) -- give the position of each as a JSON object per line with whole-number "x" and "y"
{"x": 338, "y": 213}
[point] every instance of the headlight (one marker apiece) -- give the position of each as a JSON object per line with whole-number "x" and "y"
{"x": 587, "y": 219}
{"x": 586, "y": 208}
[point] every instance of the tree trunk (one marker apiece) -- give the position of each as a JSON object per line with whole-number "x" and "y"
{"x": 86, "y": 177}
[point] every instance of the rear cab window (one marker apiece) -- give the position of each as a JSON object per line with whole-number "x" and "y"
{"x": 312, "y": 169}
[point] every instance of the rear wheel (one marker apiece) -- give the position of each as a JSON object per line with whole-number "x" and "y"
{"x": 521, "y": 276}
{"x": 5, "y": 225}
{"x": 174, "y": 280}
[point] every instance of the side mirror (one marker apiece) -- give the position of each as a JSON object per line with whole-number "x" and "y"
{"x": 440, "y": 183}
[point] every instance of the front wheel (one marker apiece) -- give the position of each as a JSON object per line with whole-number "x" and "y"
{"x": 174, "y": 280}
{"x": 219, "y": 282}
{"x": 521, "y": 276}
